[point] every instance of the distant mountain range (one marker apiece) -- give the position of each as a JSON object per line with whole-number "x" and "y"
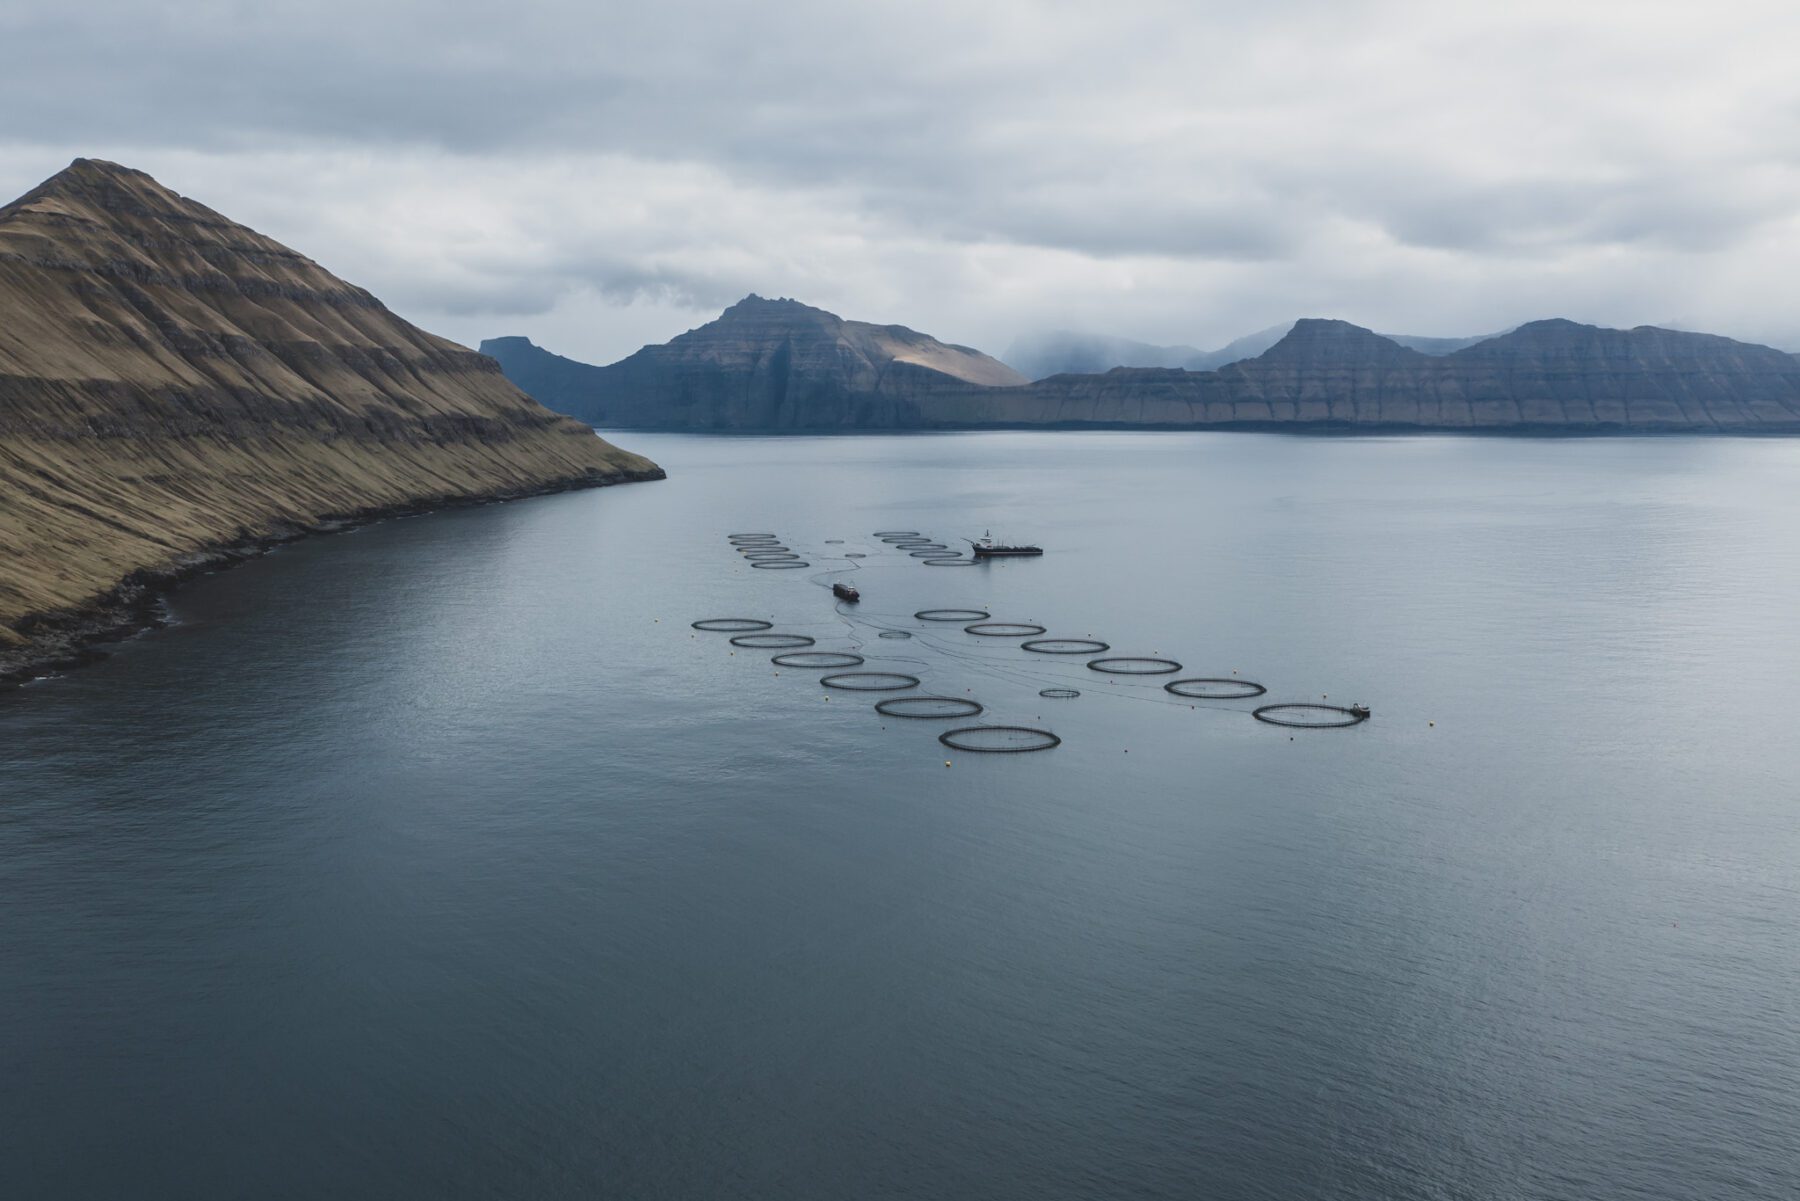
{"x": 764, "y": 364}
{"x": 1066, "y": 352}
{"x": 781, "y": 365}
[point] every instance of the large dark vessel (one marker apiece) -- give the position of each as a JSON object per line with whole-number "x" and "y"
{"x": 845, "y": 592}
{"x": 987, "y": 548}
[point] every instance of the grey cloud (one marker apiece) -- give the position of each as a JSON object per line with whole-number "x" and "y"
{"x": 1177, "y": 172}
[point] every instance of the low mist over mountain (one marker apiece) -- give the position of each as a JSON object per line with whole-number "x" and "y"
{"x": 1066, "y": 352}
{"x": 764, "y": 364}
{"x": 779, "y": 365}
{"x": 173, "y": 383}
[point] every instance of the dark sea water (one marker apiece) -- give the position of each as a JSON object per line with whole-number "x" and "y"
{"x": 443, "y": 859}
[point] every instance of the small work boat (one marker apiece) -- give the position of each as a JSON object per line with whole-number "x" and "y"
{"x": 987, "y": 548}
{"x": 845, "y": 592}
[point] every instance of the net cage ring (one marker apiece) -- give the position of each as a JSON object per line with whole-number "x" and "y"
{"x": 958, "y": 615}
{"x": 1066, "y": 646}
{"x": 894, "y": 634}
{"x": 1134, "y": 665}
{"x": 957, "y": 561}
{"x": 772, "y": 642}
{"x": 758, "y": 556}
{"x": 755, "y": 543}
{"x": 1310, "y": 717}
{"x": 854, "y": 554}
{"x": 748, "y": 537}
{"x": 1060, "y": 694}
{"x": 732, "y": 625}
{"x": 780, "y": 564}
{"x": 897, "y": 533}
{"x": 1003, "y": 629}
{"x": 999, "y": 739}
{"x": 928, "y": 707}
{"x": 1206, "y": 688}
{"x": 870, "y": 681}
{"x": 928, "y": 552}
{"x": 820, "y": 660}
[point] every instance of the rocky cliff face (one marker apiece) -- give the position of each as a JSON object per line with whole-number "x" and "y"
{"x": 173, "y": 383}
{"x": 764, "y": 364}
{"x": 750, "y": 371}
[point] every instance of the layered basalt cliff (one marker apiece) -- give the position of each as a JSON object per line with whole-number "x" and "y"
{"x": 175, "y": 387}
{"x": 759, "y": 370}
{"x": 1547, "y": 376}
{"x": 764, "y": 364}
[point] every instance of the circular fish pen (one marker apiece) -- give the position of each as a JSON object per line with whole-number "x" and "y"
{"x": 759, "y": 556}
{"x": 780, "y": 564}
{"x": 818, "y": 660}
{"x": 1065, "y": 646}
{"x": 772, "y": 642}
{"x": 854, "y": 554}
{"x": 928, "y": 552}
{"x": 1060, "y": 694}
{"x": 896, "y": 533}
{"x": 749, "y": 537}
{"x": 1310, "y": 717}
{"x": 951, "y": 561}
{"x": 1215, "y": 689}
{"x": 1003, "y": 629}
{"x": 1134, "y": 665}
{"x": 894, "y": 634}
{"x": 999, "y": 740}
{"x": 958, "y": 615}
{"x": 928, "y": 707}
{"x": 871, "y": 681}
{"x": 732, "y": 625}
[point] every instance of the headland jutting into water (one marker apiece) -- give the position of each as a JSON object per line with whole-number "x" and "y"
{"x": 178, "y": 391}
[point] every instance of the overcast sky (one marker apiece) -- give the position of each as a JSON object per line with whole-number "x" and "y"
{"x": 599, "y": 175}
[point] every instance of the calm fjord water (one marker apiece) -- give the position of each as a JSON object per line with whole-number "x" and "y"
{"x": 442, "y": 859}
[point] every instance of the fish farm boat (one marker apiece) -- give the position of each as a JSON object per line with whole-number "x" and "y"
{"x": 987, "y": 548}
{"x": 845, "y": 592}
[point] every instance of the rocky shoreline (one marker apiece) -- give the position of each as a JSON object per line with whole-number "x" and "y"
{"x": 58, "y": 642}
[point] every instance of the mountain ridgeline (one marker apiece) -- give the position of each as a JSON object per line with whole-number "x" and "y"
{"x": 780, "y": 365}
{"x": 176, "y": 388}
{"x": 764, "y": 364}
